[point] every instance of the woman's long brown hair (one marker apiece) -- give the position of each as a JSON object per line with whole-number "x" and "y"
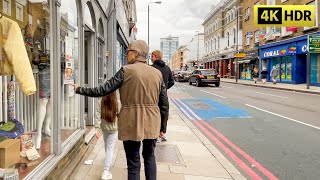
{"x": 109, "y": 107}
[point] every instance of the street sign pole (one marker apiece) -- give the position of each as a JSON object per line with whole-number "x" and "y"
{"x": 308, "y": 70}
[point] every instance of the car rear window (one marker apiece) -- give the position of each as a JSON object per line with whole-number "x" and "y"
{"x": 207, "y": 72}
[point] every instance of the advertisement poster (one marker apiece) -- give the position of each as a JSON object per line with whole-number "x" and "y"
{"x": 289, "y": 76}
{"x": 68, "y": 74}
{"x": 283, "y": 70}
{"x": 278, "y": 68}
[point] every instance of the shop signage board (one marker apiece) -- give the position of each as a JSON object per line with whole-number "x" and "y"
{"x": 240, "y": 55}
{"x": 314, "y": 43}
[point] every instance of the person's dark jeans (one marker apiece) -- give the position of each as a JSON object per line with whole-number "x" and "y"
{"x": 132, "y": 149}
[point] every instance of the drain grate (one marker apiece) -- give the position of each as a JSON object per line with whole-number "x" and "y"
{"x": 168, "y": 154}
{"x": 200, "y": 105}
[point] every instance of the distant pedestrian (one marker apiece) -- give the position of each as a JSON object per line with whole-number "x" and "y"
{"x": 106, "y": 121}
{"x": 255, "y": 75}
{"x": 264, "y": 74}
{"x": 168, "y": 79}
{"x": 144, "y": 108}
{"x": 158, "y": 63}
{"x": 274, "y": 73}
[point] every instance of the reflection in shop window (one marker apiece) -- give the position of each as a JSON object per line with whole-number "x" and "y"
{"x": 19, "y": 12}
{"x": 7, "y": 7}
{"x": 69, "y": 39}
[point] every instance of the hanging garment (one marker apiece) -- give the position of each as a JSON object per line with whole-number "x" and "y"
{"x": 13, "y": 56}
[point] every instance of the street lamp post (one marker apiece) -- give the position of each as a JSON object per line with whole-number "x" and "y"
{"x": 156, "y": 2}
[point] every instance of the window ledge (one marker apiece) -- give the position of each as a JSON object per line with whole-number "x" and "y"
{"x": 310, "y": 29}
{"x": 287, "y": 35}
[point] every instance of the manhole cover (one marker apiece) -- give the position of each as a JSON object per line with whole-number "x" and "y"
{"x": 168, "y": 154}
{"x": 200, "y": 105}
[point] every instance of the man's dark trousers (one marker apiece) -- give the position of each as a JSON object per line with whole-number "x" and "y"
{"x": 132, "y": 149}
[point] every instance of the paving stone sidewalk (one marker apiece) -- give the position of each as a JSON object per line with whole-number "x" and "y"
{"x": 187, "y": 155}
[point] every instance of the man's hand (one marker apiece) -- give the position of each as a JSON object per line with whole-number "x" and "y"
{"x": 98, "y": 133}
{"x": 161, "y": 134}
{"x": 75, "y": 86}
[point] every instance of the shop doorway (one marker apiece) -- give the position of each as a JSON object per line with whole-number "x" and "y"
{"x": 88, "y": 73}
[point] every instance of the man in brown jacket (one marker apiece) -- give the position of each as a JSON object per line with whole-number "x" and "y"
{"x": 144, "y": 107}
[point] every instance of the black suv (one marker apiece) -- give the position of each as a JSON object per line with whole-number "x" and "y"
{"x": 204, "y": 76}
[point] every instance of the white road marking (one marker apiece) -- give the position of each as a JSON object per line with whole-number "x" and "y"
{"x": 266, "y": 94}
{"x": 213, "y": 94}
{"x": 306, "y": 124}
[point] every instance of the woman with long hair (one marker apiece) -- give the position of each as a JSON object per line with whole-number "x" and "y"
{"x": 106, "y": 120}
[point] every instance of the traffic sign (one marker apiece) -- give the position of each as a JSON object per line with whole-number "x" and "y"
{"x": 314, "y": 43}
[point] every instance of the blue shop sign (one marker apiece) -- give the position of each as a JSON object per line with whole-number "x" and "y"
{"x": 302, "y": 47}
{"x": 274, "y": 51}
{"x": 297, "y": 47}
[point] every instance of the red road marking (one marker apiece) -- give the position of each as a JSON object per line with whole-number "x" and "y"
{"x": 240, "y": 151}
{"x": 250, "y": 172}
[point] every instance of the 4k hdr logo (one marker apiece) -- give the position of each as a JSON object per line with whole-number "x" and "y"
{"x": 284, "y": 15}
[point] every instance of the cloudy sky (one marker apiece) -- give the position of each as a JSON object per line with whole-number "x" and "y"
{"x": 180, "y": 18}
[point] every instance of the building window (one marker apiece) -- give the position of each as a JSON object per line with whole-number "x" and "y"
{"x": 247, "y": 17}
{"x": 284, "y": 31}
{"x": 19, "y": 12}
{"x": 218, "y": 42}
{"x": 234, "y": 36}
{"x": 7, "y": 7}
{"x": 30, "y": 19}
{"x": 247, "y": 40}
{"x": 228, "y": 39}
{"x": 215, "y": 44}
{"x": 256, "y": 36}
{"x": 316, "y": 14}
{"x": 271, "y": 2}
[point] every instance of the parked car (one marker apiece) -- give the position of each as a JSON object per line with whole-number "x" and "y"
{"x": 181, "y": 76}
{"x": 204, "y": 76}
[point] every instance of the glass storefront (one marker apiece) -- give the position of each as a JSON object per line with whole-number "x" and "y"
{"x": 284, "y": 67}
{"x": 315, "y": 69}
{"x": 246, "y": 71}
{"x": 30, "y": 32}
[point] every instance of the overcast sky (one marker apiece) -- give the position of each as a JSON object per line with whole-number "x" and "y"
{"x": 181, "y": 18}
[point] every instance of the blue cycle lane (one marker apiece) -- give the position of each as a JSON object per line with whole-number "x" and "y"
{"x": 208, "y": 110}
{"x": 204, "y": 110}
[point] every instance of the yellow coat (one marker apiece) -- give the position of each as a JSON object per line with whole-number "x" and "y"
{"x": 13, "y": 56}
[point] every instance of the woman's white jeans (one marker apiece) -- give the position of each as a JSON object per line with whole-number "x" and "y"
{"x": 109, "y": 143}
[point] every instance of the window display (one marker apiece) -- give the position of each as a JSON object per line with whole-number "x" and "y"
{"x": 25, "y": 81}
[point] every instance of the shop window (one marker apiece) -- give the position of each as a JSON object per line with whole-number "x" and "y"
{"x": 7, "y": 7}
{"x": 31, "y": 111}
{"x": 19, "y": 12}
{"x": 101, "y": 65}
{"x": 315, "y": 3}
{"x": 69, "y": 40}
{"x": 315, "y": 69}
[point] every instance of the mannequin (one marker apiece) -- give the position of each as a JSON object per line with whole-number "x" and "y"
{"x": 44, "y": 113}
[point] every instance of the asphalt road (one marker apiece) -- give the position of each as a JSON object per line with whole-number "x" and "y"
{"x": 265, "y": 133}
